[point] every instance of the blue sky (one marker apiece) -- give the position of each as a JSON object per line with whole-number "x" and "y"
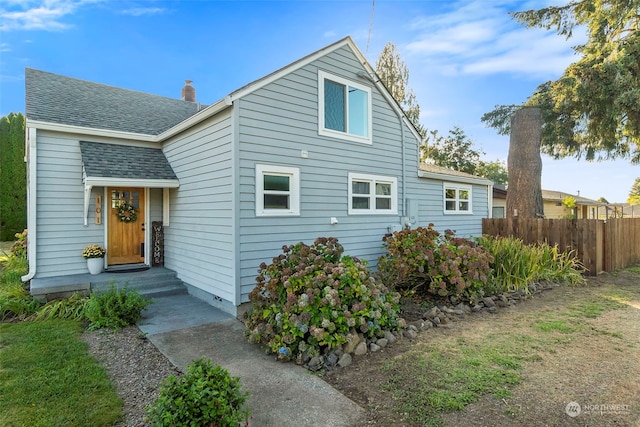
{"x": 464, "y": 57}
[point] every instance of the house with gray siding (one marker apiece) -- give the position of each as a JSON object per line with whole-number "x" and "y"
{"x": 317, "y": 148}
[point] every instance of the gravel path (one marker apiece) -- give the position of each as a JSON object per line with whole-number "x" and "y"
{"x": 136, "y": 368}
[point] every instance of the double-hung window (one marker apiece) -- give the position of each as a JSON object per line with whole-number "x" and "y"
{"x": 277, "y": 190}
{"x": 372, "y": 194}
{"x": 345, "y": 108}
{"x": 457, "y": 199}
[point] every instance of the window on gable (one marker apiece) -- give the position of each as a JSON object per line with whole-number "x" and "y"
{"x": 277, "y": 190}
{"x": 372, "y": 194}
{"x": 345, "y": 108}
{"x": 457, "y": 198}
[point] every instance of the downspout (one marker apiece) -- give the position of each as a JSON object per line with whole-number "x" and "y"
{"x": 30, "y": 158}
{"x": 404, "y": 170}
{"x": 490, "y": 201}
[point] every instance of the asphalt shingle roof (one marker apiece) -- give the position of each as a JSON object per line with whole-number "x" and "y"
{"x": 124, "y": 161}
{"x": 65, "y": 100}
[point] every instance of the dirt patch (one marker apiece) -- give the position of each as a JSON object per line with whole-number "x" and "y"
{"x": 589, "y": 356}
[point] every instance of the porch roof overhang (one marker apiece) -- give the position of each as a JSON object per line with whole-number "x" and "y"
{"x": 116, "y": 165}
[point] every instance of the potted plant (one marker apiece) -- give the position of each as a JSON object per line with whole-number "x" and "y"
{"x": 94, "y": 255}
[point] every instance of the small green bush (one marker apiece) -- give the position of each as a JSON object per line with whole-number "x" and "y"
{"x": 311, "y": 298}
{"x": 72, "y": 308}
{"x": 205, "y": 396}
{"x": 16, "y": 302}
{"x": 425, "y": 261}
{"x": 115, "y": 308}
{"x": 516, "y": 265}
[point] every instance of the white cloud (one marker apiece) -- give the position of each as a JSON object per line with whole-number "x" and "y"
{"x": 44, "y": 15}
{"x": 477, "y": 37}
{"x": 139, "y": 11}
{"x": 4, "y": 47}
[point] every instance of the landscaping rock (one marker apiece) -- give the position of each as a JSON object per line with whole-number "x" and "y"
{"x": 433, "y": 312}
{"x": 411, "y": 334}
{"x": 464, "y": 307}
{"x": 332, "y": 359}
{"x": 488, "y": 302}
{"x": 382, "y": 342}
{"x": 316, "y": 363}
{"x": 345, "y": 360}
{"x": 374, "y": 347}
{"x": 390, "y": 337}
{"x": 360, "y": 349}
{"x": 350, "y": 346}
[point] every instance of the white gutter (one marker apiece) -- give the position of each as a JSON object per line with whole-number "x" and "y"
{"x": 132, "y": 136}
{"x": 454, "y": 178}
{"x": 58, "y": 127}
{"x": 30, "y": 158}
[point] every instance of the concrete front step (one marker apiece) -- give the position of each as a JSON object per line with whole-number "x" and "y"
{"x": 153, "y": 282}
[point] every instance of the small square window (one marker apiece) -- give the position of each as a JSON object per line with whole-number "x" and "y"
{"x": 277, "y": 190}
{"x": 457, "y": 199}
{"x": 372, "y": 194}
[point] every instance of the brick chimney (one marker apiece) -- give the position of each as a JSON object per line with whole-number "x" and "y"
{"x": 188, "y": 92}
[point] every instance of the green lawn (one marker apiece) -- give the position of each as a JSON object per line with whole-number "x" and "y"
{"x": 48, "y": 378}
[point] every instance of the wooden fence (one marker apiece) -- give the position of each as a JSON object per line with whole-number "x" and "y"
{"x": 601, "y": 245}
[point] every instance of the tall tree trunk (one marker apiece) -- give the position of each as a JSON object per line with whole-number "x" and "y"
{"x": 524, "y": 195}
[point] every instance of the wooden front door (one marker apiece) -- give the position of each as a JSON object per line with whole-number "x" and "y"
{"x": 126, "y": 233}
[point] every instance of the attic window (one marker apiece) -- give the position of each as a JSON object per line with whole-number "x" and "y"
{"x": 345, "y": 108}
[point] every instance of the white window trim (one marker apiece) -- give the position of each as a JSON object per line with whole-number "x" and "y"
{"x": 294, "y": 190}
{"x": 322, "y": 75}
{"x": 373, "y": 179}
{"x": 452, "y": 186}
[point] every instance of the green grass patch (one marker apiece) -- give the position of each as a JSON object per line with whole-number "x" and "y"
{"x": 448, "y": 379}
{"x": 48, "y": 378}
{"x": 559, "y": 325}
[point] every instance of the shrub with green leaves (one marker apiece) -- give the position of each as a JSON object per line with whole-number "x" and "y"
{"x": 423, "y": 260}
{"x": 16, "y": 302}
{"x": 205, "y": 395}
{"x": 72, "y": 308}
{"x": 312, "y": 298}
{"x": 516, "y": 265}
{"x": 115, "y": 308}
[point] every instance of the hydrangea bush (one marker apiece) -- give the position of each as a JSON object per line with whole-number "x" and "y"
{"x": 312, "y": 298}
{"x": 423, "y": 260}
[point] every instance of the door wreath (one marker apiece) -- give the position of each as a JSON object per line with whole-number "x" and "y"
{"x": 126, "y": 212}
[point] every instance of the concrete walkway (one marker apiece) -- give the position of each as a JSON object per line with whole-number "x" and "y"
{"x": 281, "y": 394}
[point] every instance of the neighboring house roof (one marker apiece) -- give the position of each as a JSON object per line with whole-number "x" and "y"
{"x": 499, "y": 191}
{"x": 65, "y": 100}
{"x": 427, "y": 170}
{"x": 559, "y": 196}
{"x": 101, "y": 160}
